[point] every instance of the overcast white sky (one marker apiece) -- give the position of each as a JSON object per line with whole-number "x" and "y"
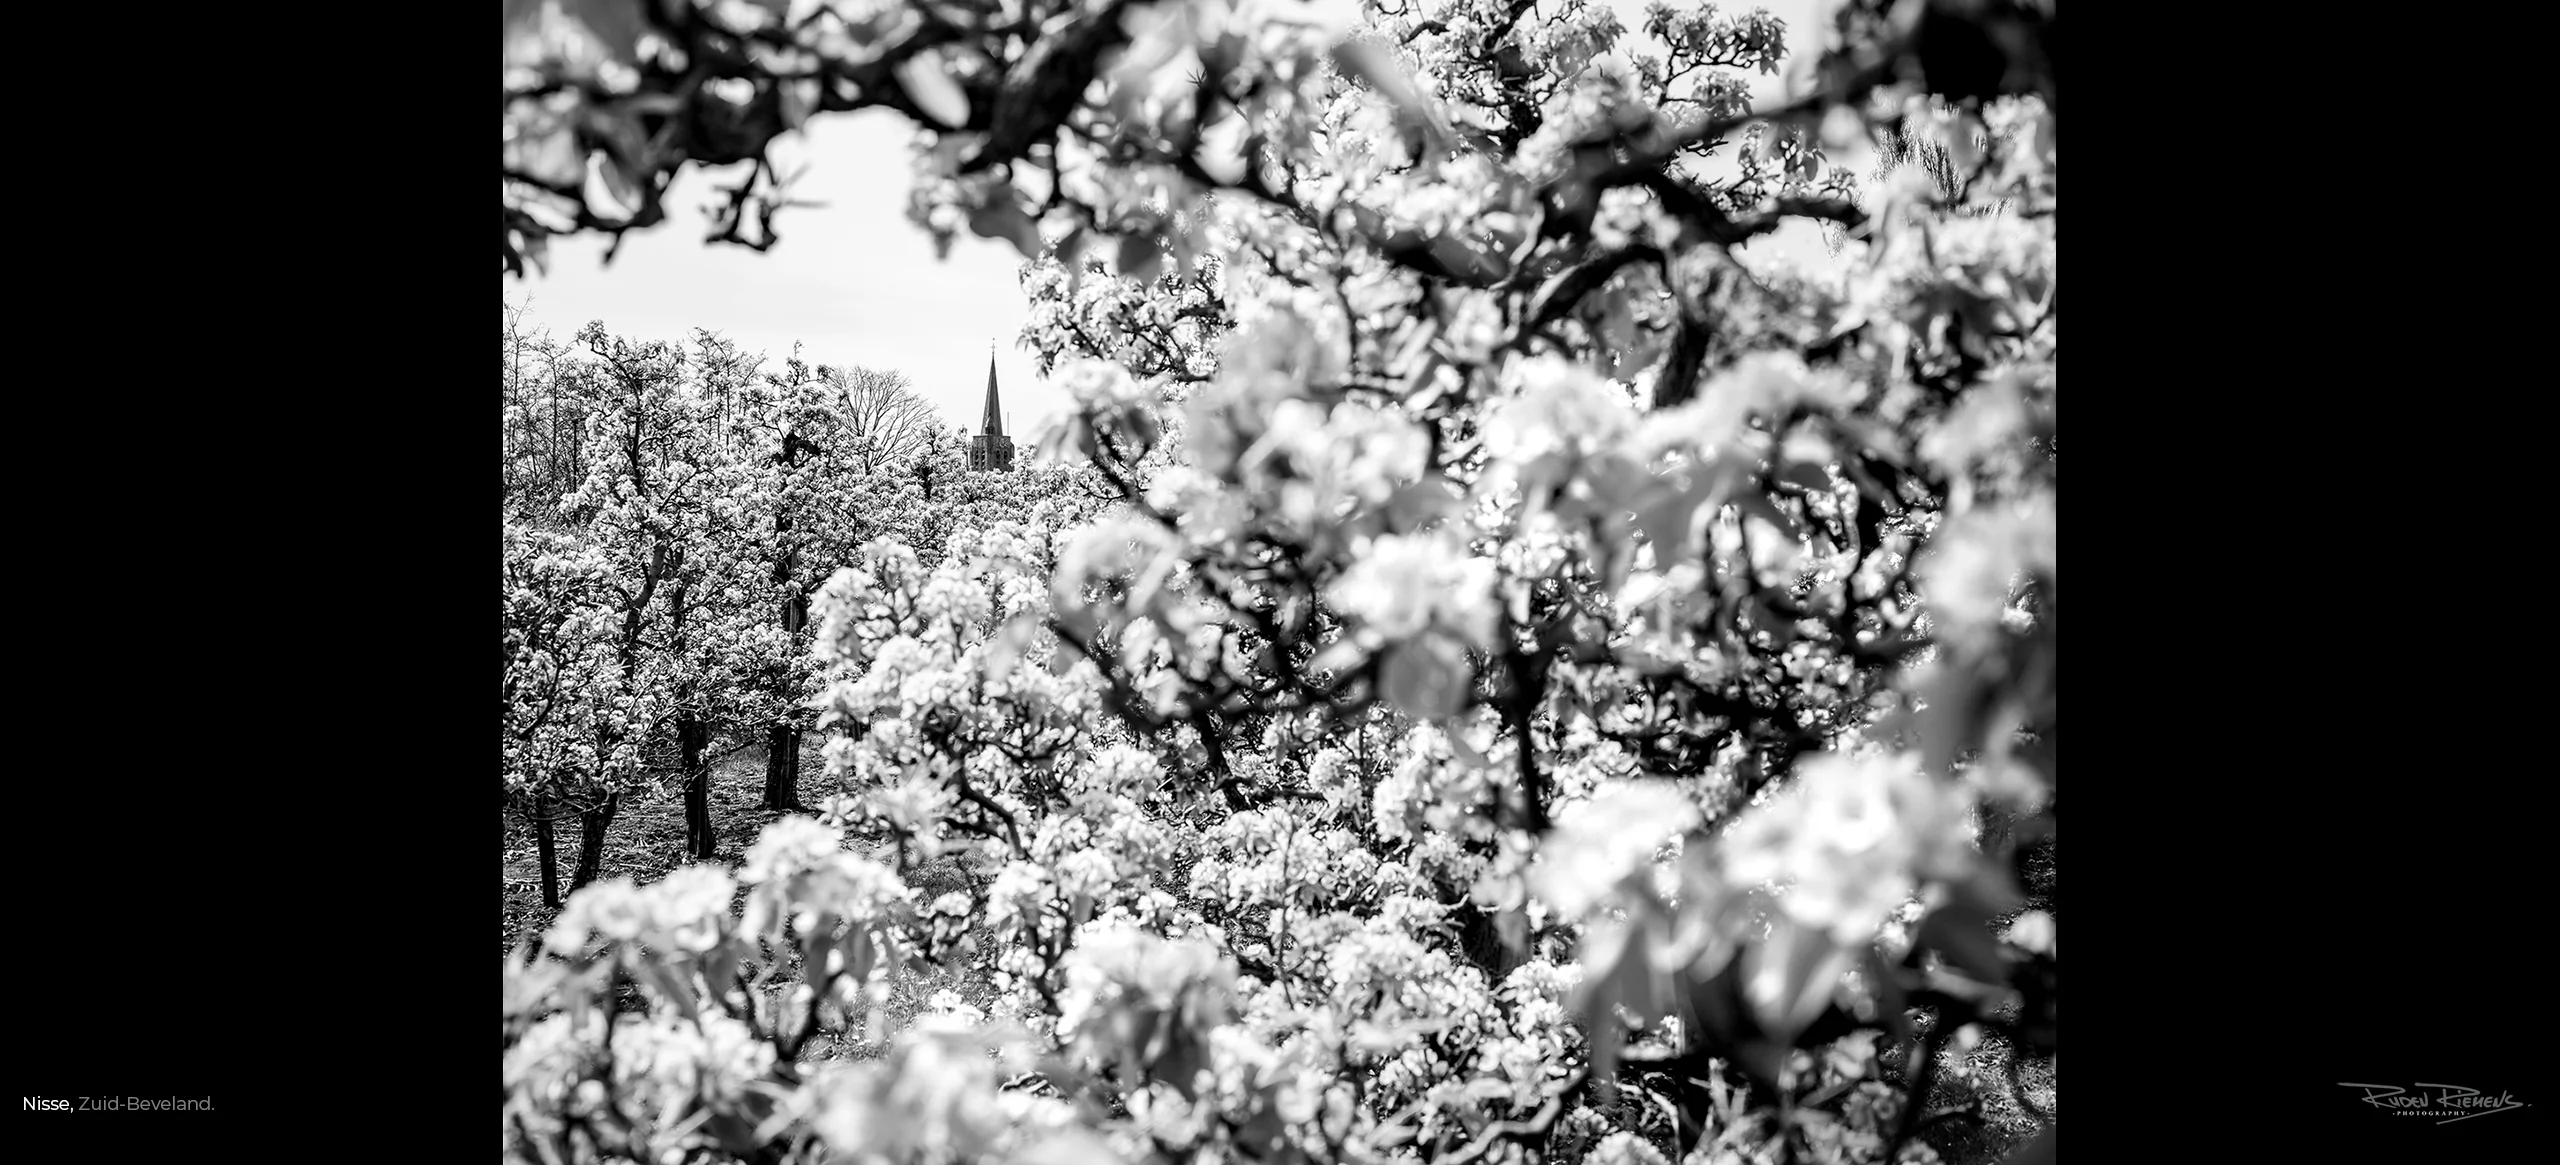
{"x": 854, "y": 283}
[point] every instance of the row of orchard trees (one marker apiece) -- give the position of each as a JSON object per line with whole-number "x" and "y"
{"x": 1553, "y": 683}
{"x": 670, "y": 509}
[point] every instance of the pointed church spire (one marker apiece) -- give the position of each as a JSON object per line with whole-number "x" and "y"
{"x": 993, "y": 422}
{"x": 991, "y": 449}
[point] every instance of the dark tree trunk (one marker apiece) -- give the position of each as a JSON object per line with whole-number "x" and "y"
{"x": 782, "y": 768}
{"x": 549, "y": 848}
{"x": 782, "y": 741}
{"x": 1482, "y": 940}
{"x": 592, "y": 823}
{"x": 694, "y": 738}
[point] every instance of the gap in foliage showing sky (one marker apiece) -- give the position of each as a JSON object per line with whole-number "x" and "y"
{"x": 854, "y": 283}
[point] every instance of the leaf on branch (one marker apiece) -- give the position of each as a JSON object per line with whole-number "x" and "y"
{"x": 521, "y": 14}
{"x": 1003, "y": 218}
{"x": 859, "y": 954}
{"x": 2039, "y": 1151}
{"x": 615, "y": 24}
{"x": 545, "y": 150}
{"x": 1948, "y": 718}
{"x": 1140, "y": 258}
{"x": 1159, "y": 34}
{"x": 1466, "y": 753}
{"x": 1619, "y": 971}
{"x": 1813, "y": 476}
{"x": 1756, "y": 504}
{"x": 613, "y": 191}
{"x": 1337, "y": 657}
{"x": 1963, "y": 935}
{"x": 671, "y": 987}
{"x": 1005, "y": 649}
{"x": 1791, "y": 976}
{"x": 1472, "y": 266}
{"x": 1426, "y": 133}
{"x": 1885, "y": 1003}
{"x": 1417, "y": 505}
{"x": 798, "y": 99}
{"x": 1667, "y": 512}
{"x": 1805, "y": 461}
{"x": 1426, "y": 678}
{"x": 926, "y": 77}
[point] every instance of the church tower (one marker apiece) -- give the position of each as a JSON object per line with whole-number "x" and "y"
{"x": 991, "y": 449}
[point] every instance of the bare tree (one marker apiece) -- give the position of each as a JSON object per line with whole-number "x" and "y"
{"x": 1899, "y": 148}
{"x": 884, "y": 418}
{"x": 542, "y": 414}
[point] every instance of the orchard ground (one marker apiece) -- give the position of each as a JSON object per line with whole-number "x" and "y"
{"x": 647, "y": 841}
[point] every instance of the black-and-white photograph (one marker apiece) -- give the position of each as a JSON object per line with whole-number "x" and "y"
{"x": 1255, "y": 582}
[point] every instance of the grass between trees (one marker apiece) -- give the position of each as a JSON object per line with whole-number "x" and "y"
{"x": 647, "y": 842}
